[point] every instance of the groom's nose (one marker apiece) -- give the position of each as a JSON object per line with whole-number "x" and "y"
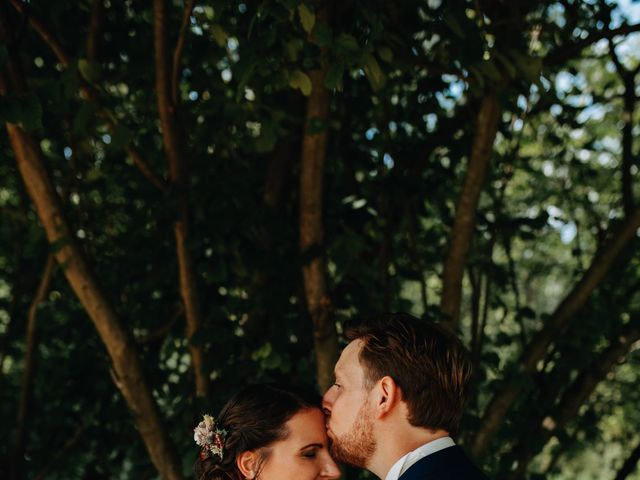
{"x": 327, "y": 402}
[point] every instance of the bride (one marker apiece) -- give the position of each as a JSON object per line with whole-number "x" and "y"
{"x": 265, "y": 432}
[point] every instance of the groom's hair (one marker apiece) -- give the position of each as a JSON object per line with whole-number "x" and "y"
{"x": 429, "y": 364}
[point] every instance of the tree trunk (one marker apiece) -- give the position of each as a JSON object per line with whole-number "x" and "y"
{"x": 180, "y": 182}
{"x": 128, "y": 373}
{"x": 462, "y": 232}
{"x": 314, "y": 145}
{"x": 564, "y": 313}
{"x": 26, "y": 395}
{"x": 578, "y": 393}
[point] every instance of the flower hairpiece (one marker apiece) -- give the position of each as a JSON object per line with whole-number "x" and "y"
{"x": 210, "y": 437}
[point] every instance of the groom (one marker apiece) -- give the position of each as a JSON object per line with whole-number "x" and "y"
{"x": 399, "y": 392}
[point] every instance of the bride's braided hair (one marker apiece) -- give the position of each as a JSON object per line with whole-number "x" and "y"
{"x": 253, "y": 419}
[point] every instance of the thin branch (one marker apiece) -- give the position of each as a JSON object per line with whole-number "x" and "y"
{"x": 179, "y": 173}
{"x": 566, "y": 52}
{"x": 96, "y": 26}
{"x": 177, "y": 54}
{"x": 601, "y": 264}
{"x": 461, "y": 235}
{"x": 88, "y": 93}
{"x": 68, "y": 445}
{"x": 26, "y": 394}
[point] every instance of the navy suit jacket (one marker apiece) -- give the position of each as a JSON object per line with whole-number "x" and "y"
{"x": 448, "y": 464}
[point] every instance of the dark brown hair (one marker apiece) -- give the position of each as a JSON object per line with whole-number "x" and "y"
{"x": 254, "y": 418}
{"x": 428, "y": 363}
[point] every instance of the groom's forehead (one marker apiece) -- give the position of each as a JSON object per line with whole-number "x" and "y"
{"x": 349, "y": 360}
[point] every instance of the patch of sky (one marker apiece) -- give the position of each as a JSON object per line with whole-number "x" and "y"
{"x": 583, "y": 155}
{"x": 444, "y": 102}
{"x": 67, "y": 152}
{"x": 388, "y": 161}
{"x": 592, "y": 112}
{"x": 610, "y": 143}
{"x": 556, "y": 14}
{"x": 372, "y": 132}
{"x": 226, "y": 75}
{"x": 232, "y": 44}
{"x": 522, "y": 102}
{"x": 193, "y": 95}
{"x": 555, "y": 109}
{"x": 393, "y": 126}
{"x": 517, "y": 125}
{"x": 106, "y": 138}
{"x": 580, "y": 101}
{"x": 431, "y": 119}
{"x": 568, "y": 232}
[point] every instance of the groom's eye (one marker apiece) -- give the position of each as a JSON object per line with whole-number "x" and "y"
{"x": 309, "y": 454}
{"x": 337, "y": 385}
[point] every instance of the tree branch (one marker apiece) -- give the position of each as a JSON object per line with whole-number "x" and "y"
{"x": 629, "y": 102}
{"x": 556, "y": 324}
{"x": 566, "y": 52}
{"x": 462, "y": 232}
{"x": 96, "y": 25}
{"x": 88, "y": 93}
{"x": 578, "y": 393}
{"x": 314, "y": 145}
{"x": 630, "y": 464}
{"x": 180, "y": 180}
{"x": 26, "y": 394}
{"x": 116, "y": 338}
{"x": 177, "y": 54}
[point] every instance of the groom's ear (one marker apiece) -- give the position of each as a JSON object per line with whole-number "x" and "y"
{"x": 388, "y": 395}
{"x": 247, "y": 463}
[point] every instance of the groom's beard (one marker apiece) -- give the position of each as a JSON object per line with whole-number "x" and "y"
{"x": 356, "y": 447}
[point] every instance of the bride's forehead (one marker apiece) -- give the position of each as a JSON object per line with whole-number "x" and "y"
{"x": 309, "y": 423}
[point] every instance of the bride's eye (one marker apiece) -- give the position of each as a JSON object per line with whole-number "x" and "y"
{"x": 337, "y": 385}
{"x": 309, "y": 454}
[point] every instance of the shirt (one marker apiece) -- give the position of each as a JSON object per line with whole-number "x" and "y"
{"x": 419, "y": 453}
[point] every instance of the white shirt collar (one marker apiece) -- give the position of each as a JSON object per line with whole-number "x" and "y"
{"x": 404, "y": 463}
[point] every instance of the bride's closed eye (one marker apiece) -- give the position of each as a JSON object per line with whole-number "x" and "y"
{"x": 310, "y": 452}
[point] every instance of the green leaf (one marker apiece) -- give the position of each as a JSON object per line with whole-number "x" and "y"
{"x": 307, "y": 18}
{"x": 374, "y": 73}
{"x": 529, "y": 67}
{"x": 347, "y": 43}
{"x": 121, "y": 137}
{"x": 452, "y": 22}
{"x": 506, "y": 63}
{"x": 219, "y": 35}
{"x": 90, "y": 71}
{"x": 84, "y": 113}
{"x": 301, "y": 81}
{"x": 333, "y": 79}
{"x": 268, "y": 137}
{"x": 322, "y": 35}
{"x": 25, "y": 111}
{"x": 489, "y": 70}
{"x": 386, "y": 54}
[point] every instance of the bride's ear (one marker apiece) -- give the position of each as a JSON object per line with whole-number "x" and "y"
{"x": 247, "y": 463}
